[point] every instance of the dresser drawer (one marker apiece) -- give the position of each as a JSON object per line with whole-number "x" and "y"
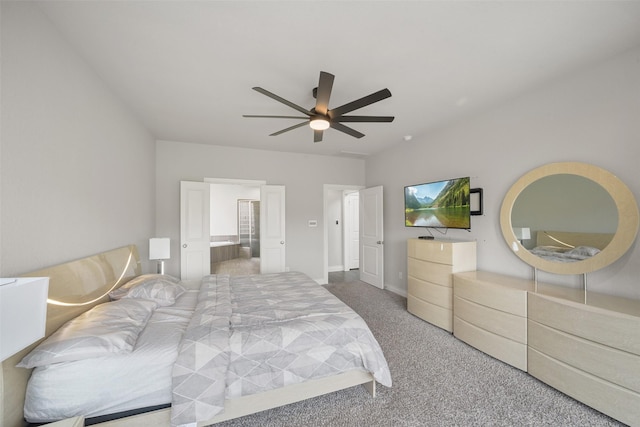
{"x": 497, "y": 322}
{"x": 503, "y": 298}
{"x": 617, "y": 402}
{"x": 432, "y": 313}
{"x": 504, "y": 349}
{"x": 430, "y": 292}
{"x": 607, "y": 327}
{"x": 599, "y": 360}
{"x": 430, "y": 271}
{"x": 432, "y": 250}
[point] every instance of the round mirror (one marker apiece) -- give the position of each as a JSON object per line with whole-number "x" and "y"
{"x": 569, "y": 218}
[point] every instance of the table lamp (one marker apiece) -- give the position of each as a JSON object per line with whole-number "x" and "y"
{"x": 160, "y": 249}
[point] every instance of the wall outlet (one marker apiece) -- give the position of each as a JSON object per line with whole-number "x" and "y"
{"x": 286, "y": 269}
{"x": 400, "y": 275}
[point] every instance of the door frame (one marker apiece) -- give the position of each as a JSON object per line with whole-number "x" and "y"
{"x": 273, "y": 247}
{"x": 194, "y": 247}
{"x": 373, "y": 241}
{"x": 348, "y": 230}
{"x": 325, "y": 210}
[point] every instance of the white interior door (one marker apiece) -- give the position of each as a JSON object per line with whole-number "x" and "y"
{"x": 371, "y": 237}
{"x": 272, "y": 227}
{"x": 194, "y": 230}
{"x": 352, "y": 230}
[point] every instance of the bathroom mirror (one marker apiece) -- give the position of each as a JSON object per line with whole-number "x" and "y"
{"x": 581, "y": 211}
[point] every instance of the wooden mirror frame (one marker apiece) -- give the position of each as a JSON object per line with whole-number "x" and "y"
{"x": 628, "y": 218}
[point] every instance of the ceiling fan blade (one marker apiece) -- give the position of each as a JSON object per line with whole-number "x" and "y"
{"x": 374, "y": 119}
{"x": 276, "y": 117}
{"x": 317, "y": 135}
{"x": 325, "y": 84}
{"x": 289, "y": 128}
{"x": 282, "y": 100}
{"x": 346, "y": 129}
{"x": 359, "y": 103}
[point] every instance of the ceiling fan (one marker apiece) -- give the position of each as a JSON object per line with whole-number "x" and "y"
{"x": 320, "y": 117}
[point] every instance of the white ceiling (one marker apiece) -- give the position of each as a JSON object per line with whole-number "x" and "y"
{"x": 186, "y": 68}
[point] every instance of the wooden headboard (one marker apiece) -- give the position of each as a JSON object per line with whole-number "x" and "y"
{"x": 74, "y": 288}
{"x": 572, "y": 239}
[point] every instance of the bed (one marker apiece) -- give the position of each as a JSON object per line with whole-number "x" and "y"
{"x": 564, "y": 246}
{"x": 262, "y": 334}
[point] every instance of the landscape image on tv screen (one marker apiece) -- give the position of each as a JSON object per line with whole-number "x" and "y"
{"x": 440, "y": 204}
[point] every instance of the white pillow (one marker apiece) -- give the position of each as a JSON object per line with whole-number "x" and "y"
{"x": 585, "y": 251}
{"x": 160, "y": 288}
{"x": 106, "y": 329}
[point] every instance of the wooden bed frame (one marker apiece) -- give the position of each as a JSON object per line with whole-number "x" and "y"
{"x": 85, "y": 283}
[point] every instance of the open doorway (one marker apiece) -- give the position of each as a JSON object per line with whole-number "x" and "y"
{"x": 341, "y": 244}
{"x": 197, "y": 241}
{"x": 235, "y": 227}
{"x": 249, "y": 228}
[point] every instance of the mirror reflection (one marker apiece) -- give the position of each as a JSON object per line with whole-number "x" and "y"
{"x": 575, "y": 209}
{"x": 564, "y": 218}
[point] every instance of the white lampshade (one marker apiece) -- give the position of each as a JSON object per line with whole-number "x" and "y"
{"x": 23, "y": 313}
{"x": 522, "y": 233}
{"x": 159, "y": 248}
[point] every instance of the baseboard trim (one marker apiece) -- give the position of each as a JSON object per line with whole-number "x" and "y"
{"x": 401, "y": 292}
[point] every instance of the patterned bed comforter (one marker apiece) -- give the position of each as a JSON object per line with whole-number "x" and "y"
{"x": 256, "y": 333}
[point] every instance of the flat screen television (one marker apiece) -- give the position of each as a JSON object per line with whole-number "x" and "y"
{"x": 438, "y": 204}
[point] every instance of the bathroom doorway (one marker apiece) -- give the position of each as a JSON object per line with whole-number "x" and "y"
{"x": 249, "y": 228}
{"x": 235, "y": 227}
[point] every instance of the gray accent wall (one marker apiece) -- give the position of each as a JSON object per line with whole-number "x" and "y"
{"x": 77, "y": 175}
{"x": 303, "y": 176}
{"x": 591, "y": 116}
{"x": 80, "y": 175}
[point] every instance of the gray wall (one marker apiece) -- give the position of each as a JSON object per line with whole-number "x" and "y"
{"x": 224, "y": 207}
{"x": 303, "y": 176}
{"x": 592, "y": 116}
{"x": 77, "y": 172}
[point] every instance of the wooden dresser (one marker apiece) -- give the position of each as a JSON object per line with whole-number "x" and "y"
{"x": 588, "y": 350}
{"x": 490, "y": 314}
{"x": 586, "y": 346}
{"x": 430, "y": 268}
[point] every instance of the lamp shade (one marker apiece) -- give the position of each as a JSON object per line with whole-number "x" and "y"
{"x": 23, "y": 313}
{"x": 159, "y": 248}
{"x": 522, "y": 233}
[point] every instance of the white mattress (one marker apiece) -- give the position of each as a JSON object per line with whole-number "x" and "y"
{"x": 77, "y": 388}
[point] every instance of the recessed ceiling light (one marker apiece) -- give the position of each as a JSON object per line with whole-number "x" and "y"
{"x": 407, "y": 137}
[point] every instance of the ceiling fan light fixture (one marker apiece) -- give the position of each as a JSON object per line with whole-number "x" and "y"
{"x": 320, "y": 117}
{"x": 319, "y": 123}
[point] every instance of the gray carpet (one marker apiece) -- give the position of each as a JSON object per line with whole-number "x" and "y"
{"x": 437, "y": 381}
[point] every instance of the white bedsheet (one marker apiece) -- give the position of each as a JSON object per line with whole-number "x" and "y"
{"x": 78, "y": 388}
{"x": 278, "y": 305}
{"x": 256, "y": 333}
